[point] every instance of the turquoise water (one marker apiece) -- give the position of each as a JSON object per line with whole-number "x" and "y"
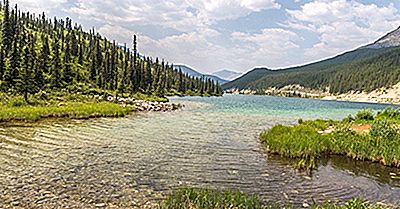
{"x": 281, "y": 107}
{"x": 212, "y": 142}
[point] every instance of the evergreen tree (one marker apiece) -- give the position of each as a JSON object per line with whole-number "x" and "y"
{"x": 55, "y": 77}
{"x": 13, "y": 66}
{"x": 7, "y": 28}
{"x": 2, "y": 66}
{"x": 25, "y": 83}
{"x": 67, "y": 72}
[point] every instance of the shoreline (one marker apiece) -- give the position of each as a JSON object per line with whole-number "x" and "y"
{"x": 385, "y": 95}
{"x": 83, "y": 110}
{"x": 354, "y": 100}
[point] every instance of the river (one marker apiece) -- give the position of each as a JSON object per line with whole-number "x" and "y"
{"x": 212, "y": 142}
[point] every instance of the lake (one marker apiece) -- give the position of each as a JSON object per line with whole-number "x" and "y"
{"x": 212, "y": 142}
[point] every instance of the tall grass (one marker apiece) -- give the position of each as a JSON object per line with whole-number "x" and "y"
{"x": 68, "y": 109}
{"x": 305, "y": 141}
{"x": 208, "y": 198}
{"x": 200, "y": 198}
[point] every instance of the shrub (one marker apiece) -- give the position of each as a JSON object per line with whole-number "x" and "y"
{"x": 365, "y": 115}
{"x": 384, "y": 130}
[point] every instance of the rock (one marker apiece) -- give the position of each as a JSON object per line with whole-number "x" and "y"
{"x": 100, "y": 205}
{"x": 306, "y": 205}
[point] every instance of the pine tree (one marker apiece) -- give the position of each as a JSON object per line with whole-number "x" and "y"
{"x": 13, "y": 66}
{"x": 44, "y": 54}
{"x": 7, "y": 28}
{"x": 55, "y": 77}
{"x": 134, "y": 82}
{"x": 67, "y": 72}
{"x": 25, "y": 82}
{"x": 2, "y": 66}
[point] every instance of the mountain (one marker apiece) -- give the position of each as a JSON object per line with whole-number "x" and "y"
{"x": 364, "y": 69}
{"x": 227, "y": 74}
{"x": 191, "y": 72}
{"x": 392, "y": 39}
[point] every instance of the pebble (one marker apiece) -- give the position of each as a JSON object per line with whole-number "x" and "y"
{"x": 306, "y": 205}
{"x": 100, "y": 205}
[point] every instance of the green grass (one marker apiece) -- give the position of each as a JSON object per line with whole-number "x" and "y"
{"x": 198, "y": 198}
{"x": 65, "y": 104}
{"x": 208, "y": 198}
{"x": 380, "y": 144}
{"x": 68, "y": 110}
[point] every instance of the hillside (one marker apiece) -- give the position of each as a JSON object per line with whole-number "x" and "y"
{"x": 194, "y": 73}
{"x": 364, "y": 69}
{"x": 41, "y": 56}
{"x": 227, "y": 75}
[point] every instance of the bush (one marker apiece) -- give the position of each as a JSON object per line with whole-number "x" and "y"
{"x": 16, "y": 102}
{"x": 389, "y": 113}
{"x": 365, "y": 115}
{"x": 384, "y": 130}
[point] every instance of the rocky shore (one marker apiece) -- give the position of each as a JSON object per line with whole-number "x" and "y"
{"x": 386, "y": 95}
{"x": 149, "y": 106}
{"x": 145, "y": 106}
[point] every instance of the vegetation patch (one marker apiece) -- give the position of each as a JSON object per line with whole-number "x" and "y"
{"x": 191, "y": 198}
{"x": 364, "y": 137}
{"x": 66, "y": 110}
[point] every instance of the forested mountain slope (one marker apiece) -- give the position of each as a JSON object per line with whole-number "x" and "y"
{"x": 194, "y": 73}
{"x": 38, "y": 54}
{"x": 364, "y": 69}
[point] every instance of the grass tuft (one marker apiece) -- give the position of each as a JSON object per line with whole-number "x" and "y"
{"x": 312, "y": 139}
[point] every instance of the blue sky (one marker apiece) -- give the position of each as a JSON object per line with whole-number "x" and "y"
{"x": 210, "y": 35}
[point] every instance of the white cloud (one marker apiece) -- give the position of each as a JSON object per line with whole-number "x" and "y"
{"x": 181, "y": 15}
{"x": 342, "y": 24}
{"x": 38, "y": 6}
{"x": 230, "y": 9}
{"x": 271, "y": 43}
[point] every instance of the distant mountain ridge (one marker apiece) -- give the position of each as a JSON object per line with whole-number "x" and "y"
{"x": 391, "y": 39}
{"x": 194, "y": 73}
{"x": 227, "y": 74}
{"x": 365, "y": 69}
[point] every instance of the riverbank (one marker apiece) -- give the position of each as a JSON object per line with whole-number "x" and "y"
{"x": 385, "y": 95}
{"x": 92, "y": 108}
{"x": 367, "y": 136}
{"x": 221, "y": 199}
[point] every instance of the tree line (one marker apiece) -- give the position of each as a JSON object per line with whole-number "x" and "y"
{"x": 360, "y": 70}
{"x": 49, "y": 54}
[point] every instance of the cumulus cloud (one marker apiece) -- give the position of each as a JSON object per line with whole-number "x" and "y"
{"x": 188, "y": 31}
{"x": 211, "y": 10}
{"x": 342, "y": 24}
{"x": 181, "y": 15}
{"x": 39, "y": 6}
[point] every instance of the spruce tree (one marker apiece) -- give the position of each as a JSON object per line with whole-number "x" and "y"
{"x": 13, "y": 66}
{"x": 2, "y": 66}
{"x": 25, "y": 83}
{"x": 7, "y": 28}
{"x": 55, "y": 76}
{"x": 67, "y": 71}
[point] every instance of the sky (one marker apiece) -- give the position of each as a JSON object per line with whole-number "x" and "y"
{"x": 210, "y": 35}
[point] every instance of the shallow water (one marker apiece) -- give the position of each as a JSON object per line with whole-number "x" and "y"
{"x": 212, "y": 142}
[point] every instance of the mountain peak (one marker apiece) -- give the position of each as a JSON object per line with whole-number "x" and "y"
{"x": 228, "y": 75}
{"x": 391, "y": 39}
